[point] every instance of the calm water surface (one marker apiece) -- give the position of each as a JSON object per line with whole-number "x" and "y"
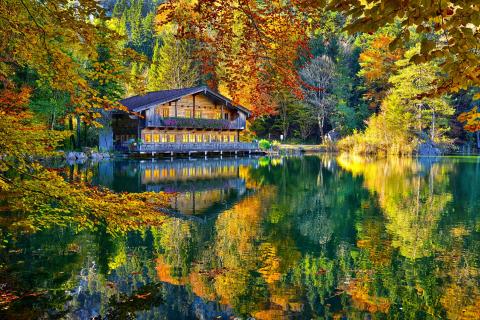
{"x": 305, "y": 238}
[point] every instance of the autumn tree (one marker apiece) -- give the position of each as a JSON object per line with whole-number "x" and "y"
{"x": 244, "y": 42}
{"x": 454, "y": 22}
{"x": 471, "y": 121}
{"x": 377, "y": 63}
{"x": 64, "y": 47}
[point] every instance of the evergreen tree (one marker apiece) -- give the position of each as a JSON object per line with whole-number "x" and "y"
{"x": 172, "y": 66}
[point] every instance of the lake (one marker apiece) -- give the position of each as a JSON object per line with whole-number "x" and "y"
{"x": 314, "y": 237}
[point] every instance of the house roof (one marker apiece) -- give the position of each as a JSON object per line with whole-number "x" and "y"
{"x": 142, "y": 102}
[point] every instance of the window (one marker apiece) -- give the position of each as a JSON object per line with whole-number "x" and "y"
{"x": 158, "y": 111}
{"x": 199, "y": 138}
{"x": 166, "y": 113}
{"x": 191, "y": 137}
{"x": 188, "y": 113}
{"x": 147, "y": 138}
{"x": 218, "y": 115}
{"x": 198, "y": 114}
{"x": 171, "y": 138}
{"x": 226, "y": 116}
{"x": 232, "y": 138}
{"x": 148, "y": 174}
{"x": 205, "y": 138}
{"x": 184, "y": 138}
{"x": 225, "y": 138}
{"x": 156, "y": 138}
{"x": 163, "y": 138}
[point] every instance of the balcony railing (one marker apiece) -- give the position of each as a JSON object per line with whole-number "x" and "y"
{"x": 196, "y": 123}
{"x": 193, "y": 147}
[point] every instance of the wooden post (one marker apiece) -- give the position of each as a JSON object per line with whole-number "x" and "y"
{"x": 176, "y": 115}
{"x": 193, "y": 113}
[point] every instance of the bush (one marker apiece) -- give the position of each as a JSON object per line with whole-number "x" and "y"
{"x": 264, "y": 144}
{"x": 276, "y": 144}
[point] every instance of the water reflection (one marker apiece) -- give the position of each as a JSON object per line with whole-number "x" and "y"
{"x": 312, "y": 237}
{"x": 200, "y": 186}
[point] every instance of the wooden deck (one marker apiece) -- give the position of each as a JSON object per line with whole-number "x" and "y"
{"x": 188, "y": 148}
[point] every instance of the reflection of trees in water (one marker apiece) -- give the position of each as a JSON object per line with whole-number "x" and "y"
{"x": 310, "y": 242}
{"x": 432, "y": 274}
{"x": 413, "y": 200}
{"x": 316, "y": 226}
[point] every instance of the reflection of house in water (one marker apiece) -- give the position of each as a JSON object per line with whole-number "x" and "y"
{"x": 201, "y": 185}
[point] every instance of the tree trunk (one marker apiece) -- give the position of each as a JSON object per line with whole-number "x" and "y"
{"x": 53, "y": 120}
{"x": 79, "y": 133}
{"x": 432, "y": 131}
{"x": 72, "y": 136}
{"x": 320, "y": 126}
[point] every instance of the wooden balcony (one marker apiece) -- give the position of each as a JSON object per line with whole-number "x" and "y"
{"x": 192, "y": 147}
{"x": 195, "y": 123}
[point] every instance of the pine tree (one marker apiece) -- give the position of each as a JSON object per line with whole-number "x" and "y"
{"x": 172, "y": 66}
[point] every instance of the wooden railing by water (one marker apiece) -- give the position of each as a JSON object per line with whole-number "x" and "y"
{"x": 193, "y": 147}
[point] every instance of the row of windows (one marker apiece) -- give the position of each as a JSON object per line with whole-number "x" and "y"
{"x": 157, "y": 138}
{"x": 187, "y": 172}
{"x": 187, "y": 137}
{"x": 165, "y": 113}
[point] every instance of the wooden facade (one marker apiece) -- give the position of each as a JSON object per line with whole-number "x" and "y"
{"x": 180, "y": 121}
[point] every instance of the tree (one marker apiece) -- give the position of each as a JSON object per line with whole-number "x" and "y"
{"x": 306, "y": 122}
{"x": 409, "y": 84}
{"x": 471, "y": 120}
{"x": 255, "y": 39}
{"x": 240, "y": 42}
{"x": 377, "y": 63}
{"x": 66, "y": 49}
{"x": 173, "y": 66}
{"x": 318, "y": 77}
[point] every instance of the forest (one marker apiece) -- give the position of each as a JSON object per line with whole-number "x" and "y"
{"x": 372, "y": 78}
{"x": 376, "y": 78}
{"x": 374, "y": 81}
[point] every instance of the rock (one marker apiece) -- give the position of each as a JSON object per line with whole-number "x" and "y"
{"x": 332, "y": 136}
{"x": 71, "y": 155}
{"x": 428, "y": 149}
{"x": 96, "y": 156}
{"x": 81, "y": 155}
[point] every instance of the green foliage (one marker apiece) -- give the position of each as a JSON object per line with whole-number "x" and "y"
{"x": 264, "y": 144}
{"x": 408, "y": 118}
{"x": 173, "y": 66}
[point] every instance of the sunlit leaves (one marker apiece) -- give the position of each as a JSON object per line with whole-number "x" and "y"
{"x": 471, "y": 119}
{"x": 250, "y": 46}
{"x": 451, "y": 26}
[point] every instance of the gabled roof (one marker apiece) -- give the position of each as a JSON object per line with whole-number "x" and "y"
{"x": 142, "y": 102}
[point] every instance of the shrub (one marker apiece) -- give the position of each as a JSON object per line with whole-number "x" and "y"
{"x": 276, "y": 144}
{"x": 264, "y": 144}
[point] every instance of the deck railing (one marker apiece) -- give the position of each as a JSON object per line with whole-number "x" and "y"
{"x": 197, "y": 123}
{"x": 193, "y": 147}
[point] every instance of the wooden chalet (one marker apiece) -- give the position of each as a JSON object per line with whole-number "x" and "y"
{"x": 176, "y": 121}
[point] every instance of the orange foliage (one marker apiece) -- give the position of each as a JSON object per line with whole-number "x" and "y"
{"x": 164, "y": 273}
{"x": 378, "y": 64}
{"x": 362, "y": 300}
{"x": 471, "y": 119}
{"x": 461, "y": 302}
{"x": 249, "y": 46}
